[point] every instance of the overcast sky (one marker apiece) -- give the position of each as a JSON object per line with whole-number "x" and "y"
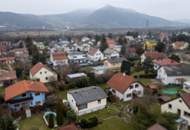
{"x": 169, "y": 9}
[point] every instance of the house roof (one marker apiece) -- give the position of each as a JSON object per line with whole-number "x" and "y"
{"x": 177, "y": 70}
{"x": 7, "y": 58}
{"x": 156, "y": 127}
{"x": 88, "y": 94}
{"x": 7, "y": 75}
{"x": 154, "y": 54}
{"x": 165, "y": 61}
{"x": 116, "y": 60}
{"x": 37, "y": 67}
{"x": 186, "y": 99}
{"x": 59, "y": 56}
{"x": 120, "y": 82}
{"x": 92, "y": 51}
{"x": 69, "y": 127}
{"x": 23, "y": 87}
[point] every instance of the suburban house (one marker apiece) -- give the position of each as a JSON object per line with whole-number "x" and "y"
{"x": 58, "y": 58}
{"x": 114, "y": 63}
{"x": 174, "y": 74}
{"x": 180, "y": 45}
{"x": 21, "y": 54}
{"x": 162, "y": 62}
{"x": 84, "y": 47}
{"x": 95, "y": 55}
{"x": 111, "y": 53}
{"x": 154, "y": 55}
{"x": 180, "y": 106}
{"x": 150, "y": 44}
{"x": 42, "y": 73}
{"x": 99, "y": 70}
{"x": 76, "y": 57}
{"x": 125, "y": 87}
{"x": 25, "y": 94}
{"x": 186, "y": 86}
{"x": 7, "y": 78}
{"x": 87, "y": 100}
{"x": 156, "y": 127}
{"x": 7, "y": 60}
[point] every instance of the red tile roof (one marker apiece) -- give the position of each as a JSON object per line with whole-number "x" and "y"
{"x": 186, "y": 99}
{"x": 120, "y": 82}
{"x": 69, "y": 127}
{"x": 165, "y": 61}
{"x": 154, "y": 55}
{"x": 92, "y": 51}
{"x": 156, "y": 127}
{"x": 23, "y": 87}
{"x": 59, "y": 56}
{"x": 36, "y": 68}
{"x": 10, "y": 75}
{"x": 110, "y": 42}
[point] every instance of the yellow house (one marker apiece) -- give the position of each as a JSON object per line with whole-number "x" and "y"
{"x": 150, "y": 44}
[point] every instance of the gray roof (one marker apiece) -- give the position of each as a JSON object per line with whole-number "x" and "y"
{"x": 88, "y": 94}
{"x": 177, "y": 70}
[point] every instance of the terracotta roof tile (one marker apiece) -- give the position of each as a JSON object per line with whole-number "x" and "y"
{"x": 69, "y": 127}
{"x": 10, "y": 75}
{"x": 154, "y": 55}
{"x": 36, "y": 68}
{"x": 59, "y": 56}
{"x": 23, "y": 87}
{"x": 165, "y": 61}
{"x": 186, "y": 99}
{"x": 120, "y": 82}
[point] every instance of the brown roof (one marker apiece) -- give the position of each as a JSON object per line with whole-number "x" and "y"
{"x": 154, "y": 55}
{"x": 59, "y": 56}
{"x": 36, "y": 68}
{"x": 165, "y": 61}
{"x": 156, "y": 127}
{"x": 69, "y": 127}
{"x": 7, "y": 58}
{"x": 10, "y": 75}
{"x": 186, "y": 99}
{"x": 120, "y": 82}
{"x": 92, "y": 51}
{"x": 23, "y": 87}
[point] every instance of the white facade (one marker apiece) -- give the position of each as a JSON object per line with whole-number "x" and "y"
{"x": 44, "y": 75}
{"x": 177, "y": 106}
{"x": 98, "y": 56}
{"x": 88, "y": 108}
{"x": 186, "y": 86}
{"x": 135, "y": 89}
{"x": 165, "y": 79}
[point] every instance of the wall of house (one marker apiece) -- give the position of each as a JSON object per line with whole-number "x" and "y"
{"x": 44, "y": 75}
{"x": 37, "y": 99}
{"x": 177, "y": 104}
{"x": 96, "y": 57}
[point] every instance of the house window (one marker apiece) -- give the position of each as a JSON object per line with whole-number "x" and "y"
{"x": 99, "y": 101}
{"x": 37, "y": 94}
{"x": 129, "y": 95}
{"x": 40, "y": 72}
{"x": 82, "y": 106}
{"x": 38, "y": 103}
{"x": 131, "y": 87}
{"x": 46, "y": 78}
{"x": 187, "y": 114}
{"x": 24, "y": 95}
{"x": 16, "y": 105}
{"x": 136, "y": 85}
{"x": 169, "y": 106}
{"x": 180, "y": 100}
{"x": 45, "y": 72}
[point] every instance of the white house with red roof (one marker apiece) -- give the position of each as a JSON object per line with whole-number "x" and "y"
{"x": 58, "y": 58}
{"x": 42, "y": 73}
{"x": 161, "y": 62}
{"x": 95, "y": 54}
{"x": 154, "y": 55}
{"x": 125, "y": 87}
{"x": 25, "y": 94}
{"x": 180, "y": 106}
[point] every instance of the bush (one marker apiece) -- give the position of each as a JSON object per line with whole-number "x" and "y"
{"x": 90, "y": 123}
{"x": 71, "y": 116}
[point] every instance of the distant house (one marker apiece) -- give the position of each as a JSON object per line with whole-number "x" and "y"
{"x": 162, "y": 62}
{"x": 95, "y": 55}
{"x": 110, "y": 42}
{"x": 7, "y": 77}
{"x": 99, "y": 70}
{"x": 58, "y": 59}
{"x": 69, "y": 127}
{"x": 150, "y": 44}
{"x": 156, "y": 127}
{"x": 154, "y": 55}
{"x": 114, "y": 63}
{"x": 76, "y": 57}
{"x": 42, "y": 73}
{"x": 125, "y": 87}
{"x": 21, "y": 54}
{"x": 76, "y": 76}
{"x": 180, "y": 106}
{"x": 111, "y": 53}
{"x": 180, "y": 45}
{"x": 186, "y": 86}
{"x": 87, "y": 100}
{"x": 25, "y": 94}
{"x": 174, "y": 74}
{"x": 7, "y": 60}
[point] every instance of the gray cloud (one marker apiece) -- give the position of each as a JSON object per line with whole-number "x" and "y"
{"x": 170, "y": 9}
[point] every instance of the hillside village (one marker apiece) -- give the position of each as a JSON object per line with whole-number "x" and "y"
{"x": 130, "y": 81}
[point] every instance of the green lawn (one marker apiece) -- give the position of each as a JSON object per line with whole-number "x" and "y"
{"x": 2, "y": 89}
{"x": 36, "y": 121}
{"x": 113, "y": 123}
